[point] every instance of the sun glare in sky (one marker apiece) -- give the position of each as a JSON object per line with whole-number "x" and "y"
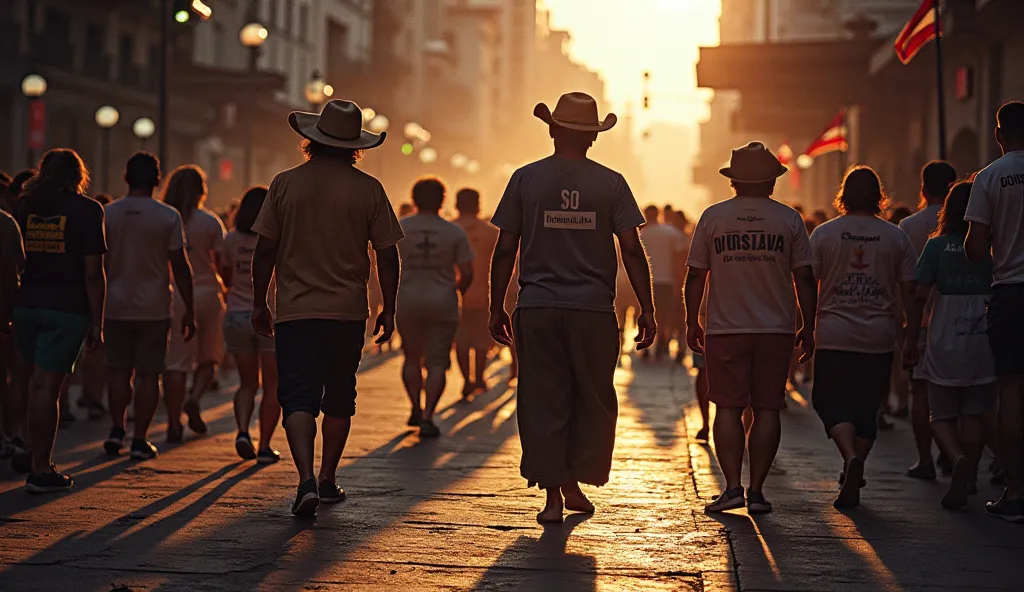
{"x": 621, "y": 39}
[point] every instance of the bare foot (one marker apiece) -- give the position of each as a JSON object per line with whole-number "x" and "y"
{"x": 576, "y": 501}
{"x": 550, "y": 516}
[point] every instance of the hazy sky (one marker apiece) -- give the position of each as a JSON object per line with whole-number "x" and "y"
{"x": 623, "y": 38}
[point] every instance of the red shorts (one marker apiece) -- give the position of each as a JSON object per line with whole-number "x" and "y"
{"x": 749, "y": 369}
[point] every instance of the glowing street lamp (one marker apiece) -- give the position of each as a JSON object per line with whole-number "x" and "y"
{"x": 472, "y": 167}
{"x": 459, "y": 161}
{"x": 143, "y": 128}
{"x": 379, "y": 124}
{"x": 33, "y": 86}
{"x": 804, "y": 161}
{"x": 317, "y": 90}
{"x": 106, "y": 117}
{"x": 368, "y": 114}
{"x": 253, "y": 35}
{"x": 428, "y": 155}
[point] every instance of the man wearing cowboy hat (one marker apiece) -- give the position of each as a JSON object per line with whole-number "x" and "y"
{"x": 314, "y": 227}
{"x": 752, "y": 248}
{"x": 561, "y": 215}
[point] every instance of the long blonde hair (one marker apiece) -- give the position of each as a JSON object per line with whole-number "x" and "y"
{"x": 186, "y": 190}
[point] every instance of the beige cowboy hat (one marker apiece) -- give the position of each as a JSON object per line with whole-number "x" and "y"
{"x": 340, "y": 124}
{"x": 575, "y": 111}
{"x": 753, "y": 163}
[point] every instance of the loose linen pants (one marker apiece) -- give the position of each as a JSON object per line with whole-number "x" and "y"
{"x": 567, "y": 407}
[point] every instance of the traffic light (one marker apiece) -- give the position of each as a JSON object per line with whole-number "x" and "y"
{"x": 185, "y": 10}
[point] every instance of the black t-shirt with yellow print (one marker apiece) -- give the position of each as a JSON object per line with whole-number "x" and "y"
{"x": 59, "y": 232}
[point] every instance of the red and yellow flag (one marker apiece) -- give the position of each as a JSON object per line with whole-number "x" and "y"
{"x": 835, "y": 138}
{"x": 919, "y": 30}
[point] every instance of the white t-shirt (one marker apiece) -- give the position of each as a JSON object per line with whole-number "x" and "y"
{"x": 750, "y": 246}
{"x": 430, "y": 251}
{"x": 859, "y": 262}
{"x": 663, "y": 243}
{"x": 238, "y": 250}
{"x": 920, "y": 225}
{"x": 997, "y": 200}
{"x": 141, "y": 232}
{"x": 205, "y": 235}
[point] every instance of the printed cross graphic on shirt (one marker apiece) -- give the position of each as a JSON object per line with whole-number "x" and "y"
{"x": 858, "y": 259}
{"x": 426, "y": 247}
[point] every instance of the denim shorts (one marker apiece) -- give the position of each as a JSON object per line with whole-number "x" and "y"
{"x": 50, "y": 339}
{"x": 241, "y": 338}
{"x": 317, "y": 360}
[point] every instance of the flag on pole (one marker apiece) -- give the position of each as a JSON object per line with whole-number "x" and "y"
{"x": 786, "y": 157}
{"x": 919, "y": 30}
{"x": 835, "y": 138}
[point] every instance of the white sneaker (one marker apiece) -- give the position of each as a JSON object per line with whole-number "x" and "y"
{"x": 730, "y": 499}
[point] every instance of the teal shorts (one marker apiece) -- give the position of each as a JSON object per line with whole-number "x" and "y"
{"x": 49, "y": 339}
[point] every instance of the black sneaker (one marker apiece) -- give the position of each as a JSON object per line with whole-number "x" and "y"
{"x": 1006, "y": 509}
{"x": 115, "y": 441}
{"x": 21, "y": 457}
{"x": 414, "y": 417}
{"x": 330, "y": 493}
{"x": 925, "y": 473}
{"x": 195, "y": 419}
{"x": 429, "y": 429}
{"x": 143, "y": 450}
{"x": 267, "y": 456}
{"x": 730, "y": 499}
{"x": 244, "y": 447}
{"x": 757, "y": 503}
{"x": 50, "y": 482}
{"x": 307, "y": 500}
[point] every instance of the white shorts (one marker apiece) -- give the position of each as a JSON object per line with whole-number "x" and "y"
{"x": 208, "y": 344}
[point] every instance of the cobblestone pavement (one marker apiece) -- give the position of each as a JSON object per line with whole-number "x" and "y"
{"x": 453, "y": 514}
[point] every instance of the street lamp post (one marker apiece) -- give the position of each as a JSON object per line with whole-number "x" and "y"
{"x": 252, "y": 36}
{"x": 106, "y": 117}
{"x": 34, "y": 87}
{"x": 143, "y": 128}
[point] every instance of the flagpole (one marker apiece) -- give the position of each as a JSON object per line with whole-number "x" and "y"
{"x": 843, "y": 129}
{"x": 939, "y": 80}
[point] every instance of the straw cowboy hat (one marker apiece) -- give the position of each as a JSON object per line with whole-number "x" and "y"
{"x": 753, "y": 163}
{"x": 340, "y": 124}
{"x": 575, "y": 111}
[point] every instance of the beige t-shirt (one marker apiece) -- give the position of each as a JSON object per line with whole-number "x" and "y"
{"x": 663, "y": 243}
{"x": 482, "y": 238}
{"x": 205, "y": 235}
{"x": 141, "y": 232}
{"x": 431, "y": 249}
{"x": 859, "y": 262}
{"x": 238, "y": 250}
{"x": 323, "y": 214}
{"x": 750, "y": 247}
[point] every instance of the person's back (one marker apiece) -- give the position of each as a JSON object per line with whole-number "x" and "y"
{"x": 751, "y": 246}
{"x": 60, "y": 230}
{"x": 141, "y": 232}
{"x": 664, "y": 243}
{"x": 325, "y": 214}
{"x": 997, "y": 199}
{"x": 567, "y": 211}
{"x": 920, "y": 225}
{"x": 936, "y": 178}
{"x": 481, "y": 236}
{"x": 204, "y": 233}
{"x": 860, "y": 261}
{"x": 430, "y": 251}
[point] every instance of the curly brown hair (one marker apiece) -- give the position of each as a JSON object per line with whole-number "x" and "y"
{"x": 861, "y": 193}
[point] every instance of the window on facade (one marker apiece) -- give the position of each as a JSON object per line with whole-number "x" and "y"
{"x": 304, "y": 22}
{"x": 129, "y": 72}
{"x": 289, "y": 15}
{"x": 96, "y": 62}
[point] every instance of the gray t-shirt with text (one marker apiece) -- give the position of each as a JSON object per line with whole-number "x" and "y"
{"x": 567, "y": 212}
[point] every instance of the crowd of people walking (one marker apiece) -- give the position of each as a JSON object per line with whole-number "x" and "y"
{"x": 152, "y": 292}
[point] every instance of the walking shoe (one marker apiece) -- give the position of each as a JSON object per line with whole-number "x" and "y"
{"x": 945, "y": 464}
{"x": 1006, "y": 509}
{"x": 267, "y": 456}
{"x": 195, "y": 420}
{"x": 21, "y": 458}
{"x": 143, "y": 450}
{"x": 415, "y": 416}
{"x": 307, "y": 500}
{"x": 244, "y": 447}
{"x": 703, "y": 436}
{"x": 757, "y": 503}
{"x": 50, "y": 482}
{"x": 729, "y": 500}
{"x": 917, "y": 471}
{"x": 842, "y": 479}
{"x": 849, "y": 494}
{"x": 959, "y": 485}
{"x": 115, "y": 441}
{"x": 330, "y": 493}
{"x": 175, "y": 433}
{"x": 429, "y": 429}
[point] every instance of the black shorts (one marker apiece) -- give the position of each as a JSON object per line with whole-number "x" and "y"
{"x": 137, "y": 345}
{"x": 1006, "y": 328}
{"x": 317, "y": 360}
{"x": 849, "y": 387}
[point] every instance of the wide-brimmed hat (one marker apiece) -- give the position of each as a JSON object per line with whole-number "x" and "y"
{"x": 340, "y": 124}
{"x": 575, "y": 111}
{"x": 753, "y": 163}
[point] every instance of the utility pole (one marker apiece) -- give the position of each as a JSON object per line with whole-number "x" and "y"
{"x": 162, "y": 127}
